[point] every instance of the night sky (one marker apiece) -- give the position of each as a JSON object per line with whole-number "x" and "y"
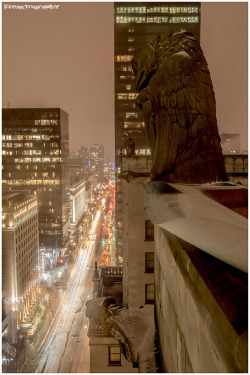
{"x": 65, "y": 58}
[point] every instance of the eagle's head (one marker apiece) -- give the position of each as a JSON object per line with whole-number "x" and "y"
{"x": 145, "y": 63}
{"x": 147, "y": 59}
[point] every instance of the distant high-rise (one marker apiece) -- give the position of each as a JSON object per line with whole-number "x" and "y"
{"x": 97, "y": 161}
{"x": 135, "y": 24}
{"x": 83, "y": 155}
{"x": 35, "y": 149}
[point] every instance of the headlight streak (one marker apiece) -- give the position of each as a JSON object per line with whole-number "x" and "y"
{"x": 73, "y": 294}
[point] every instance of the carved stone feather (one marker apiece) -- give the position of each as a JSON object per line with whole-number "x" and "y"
{"x": 179, "y": 110}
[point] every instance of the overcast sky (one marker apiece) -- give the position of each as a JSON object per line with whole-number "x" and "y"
{"x": 65, "y": 58}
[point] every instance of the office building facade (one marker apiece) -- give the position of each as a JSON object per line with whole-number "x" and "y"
{"x": 20, "y": 249}
{"x": 35, "y": 156}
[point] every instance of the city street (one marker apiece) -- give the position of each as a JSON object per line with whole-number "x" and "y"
{"x": 64, "y": 347}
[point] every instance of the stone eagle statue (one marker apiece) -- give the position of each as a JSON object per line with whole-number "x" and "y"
{"x": 178, "y": 103}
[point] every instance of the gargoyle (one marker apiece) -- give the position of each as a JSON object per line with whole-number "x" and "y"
{"x": 178, "y": 102}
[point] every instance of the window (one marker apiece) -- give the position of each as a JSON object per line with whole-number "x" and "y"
{"x": 149, "y": 293}
{"x": 149, "y": 231}
{"x": 149, "y": 262}
{"x": 114, "y": 356}
{"x": 123, "y": 58}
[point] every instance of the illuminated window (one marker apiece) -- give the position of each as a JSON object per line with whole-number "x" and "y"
{"x": 121, "y": 10}
{"x": 137, "y": 19}
{"x": 123, "y": 58}
{"x": 46, "y": 122}
{"x": 32, "y": 152}
{"x": 149, "y": 262}
{"x": 128, "y": 87}
{"x": 122, "y": 96}
{"x": 131, "y": 39}
{"x": 131, "y": 114}
{"x": 16, "y": 145}
{"x": 128, "y": 124}
{"x": 154, "y": 19}
{"x": 132, "y": 96}
{"x": 37, "y": 137}
{"x": 114, "y": 356}
{"x": 54, "y": 152}
{"x": 164, "y": 9}
{"x": 149, "y": 293}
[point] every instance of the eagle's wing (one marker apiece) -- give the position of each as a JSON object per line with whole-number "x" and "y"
{"x": 144, "y": 101}
{"x": 184, "y": 104}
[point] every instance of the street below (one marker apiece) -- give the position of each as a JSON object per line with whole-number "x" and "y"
{"x": 62, "y": 345}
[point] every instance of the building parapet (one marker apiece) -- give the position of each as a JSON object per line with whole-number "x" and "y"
{"x": 201, "y": 309}
{"x": 236, "y": 164}
{"x": 137, "y": 164}
{"x": 111, "y": 272}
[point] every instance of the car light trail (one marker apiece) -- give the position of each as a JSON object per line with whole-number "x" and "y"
{"x": 72, "y": 295}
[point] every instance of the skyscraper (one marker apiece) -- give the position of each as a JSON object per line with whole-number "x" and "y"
{"x": 96, "y": 156}
{"x": 35, "y": 149}
{"x": 83, "y": 155}
{"x": 136, "y": 24}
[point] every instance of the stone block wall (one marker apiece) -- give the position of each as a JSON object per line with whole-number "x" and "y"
{"x": 99, "y": 356}
{"x": 194, "y": 333}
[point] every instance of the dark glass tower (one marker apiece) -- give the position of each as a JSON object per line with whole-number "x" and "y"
{"x": 137, "y": 23}
{"x": 35, "y": 156}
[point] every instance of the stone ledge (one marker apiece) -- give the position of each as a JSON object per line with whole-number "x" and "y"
{"x": 214, "y": 284}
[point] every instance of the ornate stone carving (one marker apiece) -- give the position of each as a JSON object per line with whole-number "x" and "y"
{"x": 178, "y": 102}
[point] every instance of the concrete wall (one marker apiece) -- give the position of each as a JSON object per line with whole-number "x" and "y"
{"x": 135, "y": 246}
{"x": 99, "y": 356}
{"x": 192, "y": 338}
